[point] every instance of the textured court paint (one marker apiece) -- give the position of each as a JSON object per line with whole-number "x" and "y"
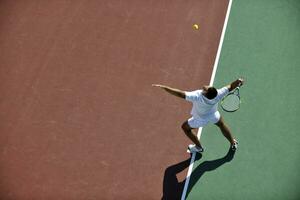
{"x": 79, "y": 118}
{"x": 262, "y": 44}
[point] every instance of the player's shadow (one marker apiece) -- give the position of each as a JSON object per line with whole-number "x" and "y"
{"x": 172, "y": 188}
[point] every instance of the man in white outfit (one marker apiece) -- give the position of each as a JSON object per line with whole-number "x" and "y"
{"x": 204, "y": 111}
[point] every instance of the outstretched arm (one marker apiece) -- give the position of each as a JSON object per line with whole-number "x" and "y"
{"x": 235, "y": 84}
{"x": 173, "y": 91}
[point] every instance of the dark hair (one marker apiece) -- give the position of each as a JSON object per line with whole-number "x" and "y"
{"x": 211, "y": 93}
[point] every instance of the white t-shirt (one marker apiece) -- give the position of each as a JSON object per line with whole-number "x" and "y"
{"x": 203, "y": 106}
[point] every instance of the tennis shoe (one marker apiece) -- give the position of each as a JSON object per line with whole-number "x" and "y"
{"x": 192, "y": 148}
{"x": 235, "y": 145}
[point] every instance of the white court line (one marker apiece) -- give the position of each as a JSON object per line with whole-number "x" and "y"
{"x": 187, "y": 180}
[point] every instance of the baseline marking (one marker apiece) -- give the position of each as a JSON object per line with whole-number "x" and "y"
{"x": 187, "y": 180}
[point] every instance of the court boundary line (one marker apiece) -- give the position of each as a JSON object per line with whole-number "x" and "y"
{"x": 212, "y": 79}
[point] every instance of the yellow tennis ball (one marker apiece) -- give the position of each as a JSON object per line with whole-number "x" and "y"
{"x": 196, "y": 26}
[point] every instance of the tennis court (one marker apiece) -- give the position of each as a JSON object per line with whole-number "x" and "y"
{"x": 80, "y": 120}
{"x": 261, "y": 44}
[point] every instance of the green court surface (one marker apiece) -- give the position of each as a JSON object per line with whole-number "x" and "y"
{"x": 262, "y": 43}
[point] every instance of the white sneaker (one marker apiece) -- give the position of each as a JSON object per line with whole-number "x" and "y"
{"x": 193, "y": 148}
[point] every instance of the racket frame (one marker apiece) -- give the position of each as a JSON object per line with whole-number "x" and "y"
{"x": 236, "y": 92}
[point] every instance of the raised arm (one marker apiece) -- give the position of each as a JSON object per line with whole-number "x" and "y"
{"x": 235, "y": 84}
{"x": 173, "y": 91}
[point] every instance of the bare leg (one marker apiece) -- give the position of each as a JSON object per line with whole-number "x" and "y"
{"x": 225, "y": 130}
{"x": 188, "y": 131}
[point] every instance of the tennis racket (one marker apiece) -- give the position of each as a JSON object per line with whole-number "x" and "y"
{"x": 232, "y": 101}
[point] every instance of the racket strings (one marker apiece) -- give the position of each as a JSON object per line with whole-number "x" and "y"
{"x": 231, "y": 103}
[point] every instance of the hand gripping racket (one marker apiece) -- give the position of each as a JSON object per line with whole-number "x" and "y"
{"x": 232, "y": 101}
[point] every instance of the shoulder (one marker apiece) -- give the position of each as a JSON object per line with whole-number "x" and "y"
{"x": 193, "y": 95}
{"x": 194, "y": 92}
{"x": 223, "y": 90}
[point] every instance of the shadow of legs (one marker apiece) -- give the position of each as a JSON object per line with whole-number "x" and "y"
{"x": 172, "y": 188}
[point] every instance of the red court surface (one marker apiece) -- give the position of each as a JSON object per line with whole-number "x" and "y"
{"x": 79, "y": 118}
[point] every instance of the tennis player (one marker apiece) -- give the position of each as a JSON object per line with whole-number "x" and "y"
{"x": 205, "y": 110}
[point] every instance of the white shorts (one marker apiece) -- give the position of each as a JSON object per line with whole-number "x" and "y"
{"x": 196, "y": 122}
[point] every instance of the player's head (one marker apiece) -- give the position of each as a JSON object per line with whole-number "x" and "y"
{"x": 209, "y": 92}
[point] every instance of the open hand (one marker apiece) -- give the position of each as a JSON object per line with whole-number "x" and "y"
{"x": 157, "y": 85}
{"x": 241, "y": 81}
